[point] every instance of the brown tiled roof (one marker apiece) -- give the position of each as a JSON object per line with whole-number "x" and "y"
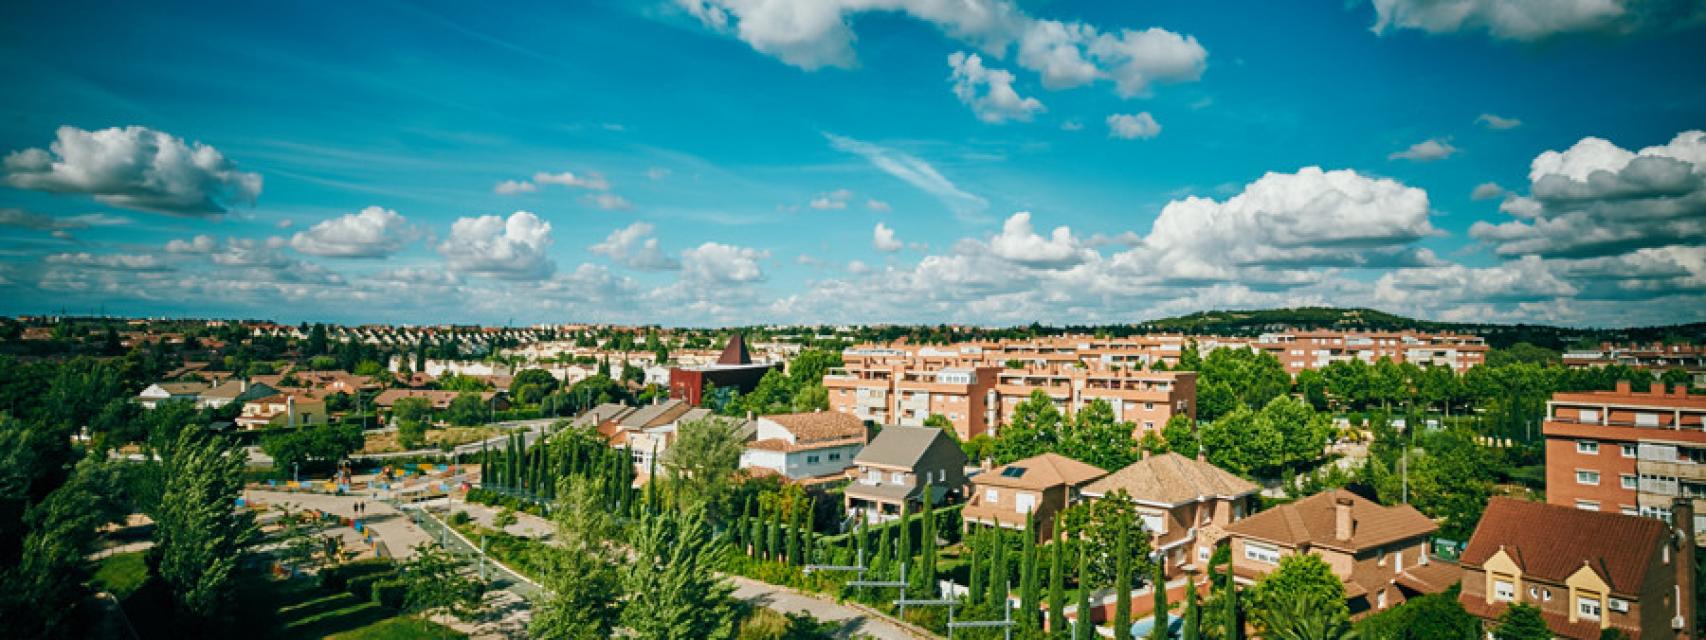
{"x": 1040, "y": 472}
{"x": 183, "y": 388}
{"x": 1551, "y": 541}
{"x": 1557, "y": 623}
{"x": 820, "y": 425}
{"x": 778, "y": 444}
{"x": 1434, "y": 577}
{"x": 1312, "y": 521}
{"x": 439, "y": 399}
{"x": 1172, "y": 479}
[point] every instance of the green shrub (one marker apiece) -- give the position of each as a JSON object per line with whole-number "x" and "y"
{"x": 459, "y": 518}
{"x": 504, "y": 518}
{"x": 390, "y": 592}
{"x": 337, "y": 577}
{"x": 362, "y": 586}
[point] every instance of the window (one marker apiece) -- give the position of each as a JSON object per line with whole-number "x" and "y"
{"x": 992, "y": 496}
{"x": 1587, "y": 505}
{"x": 1546, "y": 595}
{"x": 897, "y": 477}
{"x": 1380, "y": 600}
{"x": 1646, "y": 419}
{"x": 834, "y": 457}
{"x": 1630, "y": 510}
{"x": 1587, "y": 608}
{"x": 1587, "y": 476}
{"x": 1148, "y": 406}
{"x": 1628, "y": 450}
{"x": 812, "y": 459}
{"x": 1261, "y": 553}
{"x": 1589, "y": 416}
{"x": 1588, "y": 447}
{"x": 941, "y": 475}
{"x": 1504, "y": 591}
{"x": 1024, "y": 502}
{"x": 1203, "y": 554}
{"x": 1628, "y": 481}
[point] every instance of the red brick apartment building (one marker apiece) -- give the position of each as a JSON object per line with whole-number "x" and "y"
{"x": 976, "y": 386}
{"x": 1627, "y": 452}
{"x": 1656, "y": 356}
{"x": 1299, "y": 350}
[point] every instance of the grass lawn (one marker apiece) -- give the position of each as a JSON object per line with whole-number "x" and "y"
{"x": 120, "y": 574}
{"x": 400, "y": 629}
{"x": 267, "y": 609}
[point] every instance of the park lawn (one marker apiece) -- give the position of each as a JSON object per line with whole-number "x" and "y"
{"x": 120, "y": 574}
{"x": 400, "y": 629}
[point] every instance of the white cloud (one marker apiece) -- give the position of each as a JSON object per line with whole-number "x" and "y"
{"x": 1487, "y": 191}
{"x": 1072, "y": 125}
{"x": 1525, "y": 280}
{"x": 1491, "y": 121}
{"x": 633, "y": 246}
{"x": 817, "y": 34}
{"x": 834, "y": 200}
{"x": 199, "y": 244}
{"x": 1019, "y": 243}
{"x": 1596, "y": 198}
{"x": 510, "y": 248}
{"x": 59, "y": 226}
{"x": 913, "y": 171}
{"x": 1527, "y": 20}
{"x": 113, "y": 261}
{"x": 997, "y": 102}
{"x": 591, "y": 181}
{"x": 610, "y": 202}
{"x": 877, "y": 205}
{"x": 884, "y": 240}
{"x": 374, "y": 232}
{"x": 1425, "y": 151}
{"x": 657, "y": 173}
{"x": 717, "y": 263}
{"x": 135, "y": 168}
{"x": 512, "y": 187}
{"x": 1132, "y": 126}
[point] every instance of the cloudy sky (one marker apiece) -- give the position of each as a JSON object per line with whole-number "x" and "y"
{"x": 735, "y": 161}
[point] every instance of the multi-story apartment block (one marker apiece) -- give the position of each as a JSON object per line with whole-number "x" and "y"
{"x": 1657, "y": 356}
{"x": 1300, "y": 350}
{"x": 1627, "y": 452}
{"x": 1588, "y": 573}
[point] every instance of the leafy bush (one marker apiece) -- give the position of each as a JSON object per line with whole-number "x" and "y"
{"x": 337, "y": 578}
{"x": 504, "y": 518}
{"x": 390, "y": 592}
{"x": 459, "y": 518}
{"x": 362, "y": 586}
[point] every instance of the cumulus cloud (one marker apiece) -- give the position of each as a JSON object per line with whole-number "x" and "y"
{"x": 877, "y": 205}
{"x": 1019, "y": 242}
{"x": 1130, "y": 126}
{"x": 1487, "y": 191}
{"x": 610, "y": 202}
{"x": 512, "y": 187}
{"x": 1524, "y": 20}
{"x": 374, "y": 232}
{"x": 1310, "y": 218}
{"x": 717, "y": 263}
{"x": 135, "y": 168}
{"x": 989, "y": 91}
{"x": 1425, "y": 151}
{"x": 1596, "y": 199}
{"x": 914, "y": 171}
{"x": 592, "y": 181}
{"x": 113, "y": 261}
{"x": 884, "y": 240}
{"x": 511, "y": 248}
{"x": 633, "y": 246}
{"x": 820, "y": 34}
{"x": 1527, "y": 279}
{"x": 58, "y": 226}
{"x": 1491, "y": 121}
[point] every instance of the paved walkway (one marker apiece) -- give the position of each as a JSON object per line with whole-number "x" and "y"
{"x": 399, "y": 534}
{"x": 854, "y": 623}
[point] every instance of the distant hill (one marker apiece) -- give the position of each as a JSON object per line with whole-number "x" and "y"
{"x": 1255, "y": 321}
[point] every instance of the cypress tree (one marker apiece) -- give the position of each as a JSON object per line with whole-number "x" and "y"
{"x": 793, "y": 535}
{"x": 1193, "y": 617}
{"x": 485, "y": 465}
{"x": 1084, "y": 628}
{"x": 755, "y": 535}
{"x": 998, "y": 567}
{"x": 927, "y": 543}
{"x": 862, "y": 554}
{"x": 652, "y": 481}
{"x": 808, "y": 533}
{"x": 1028, "y": 566}
{"x": 1161, "y": 598}
{"x": 975, "y": 588}
{"x": 1057, "y": 585}
{"x": 1122, "y": 587}
{"x": 1229, "y": 616}
{"x": 903, "y": 548}
{"x": 774, "y": 550}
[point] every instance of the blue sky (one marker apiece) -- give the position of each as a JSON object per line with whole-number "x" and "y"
{"x": 734, "y": 161}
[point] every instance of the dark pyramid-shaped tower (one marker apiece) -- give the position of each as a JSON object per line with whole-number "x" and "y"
{"x": 735, "y": 352}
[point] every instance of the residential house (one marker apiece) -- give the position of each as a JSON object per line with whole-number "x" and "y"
{"x": 231, "y": 391}
{"x": 617, "y": 430}
{"x": 159, "y": 392}
{"x": 1586, "y": 571}
{"x": 1185, "y": 504}
{"x": 1379, "y": 552}
{"x": 798, "y": 446}
{"x": 645, "y": 444}
{"x": 437, "y": 400}
{"x": 1041, "y": 485}
{"x": 286, "y": 409}
{"x": 897, "y": 465}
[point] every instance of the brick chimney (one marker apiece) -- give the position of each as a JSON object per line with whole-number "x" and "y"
{"x": 1342, "y": 524}
{"x": 1623, "y": 386}
{"x": 1657, "y": 389}
{"x": 1682, "y": 513}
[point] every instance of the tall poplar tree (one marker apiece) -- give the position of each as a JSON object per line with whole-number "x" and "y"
{"x": 1122, "y": 587}
{"x": 1057, "y": 584}
{"x": 1084, "y": 628}
{"x": 1160, "y": 581}
{"x": 199, "y": 534}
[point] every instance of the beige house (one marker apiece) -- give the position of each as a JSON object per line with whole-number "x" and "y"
{"x": 1042, "y": 485}
{"x": 1185, "y": 503}
{"x": 894, "y": 470}
{"x": 1586, "y": 571}
{"x": 282, "y": 410}
{"x": 1379, "y": 552}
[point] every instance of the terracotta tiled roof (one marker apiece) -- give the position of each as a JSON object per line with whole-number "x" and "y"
{"x": 1039, "y": 472}
{"x": 183, "y": 388}
{"x": 1434, "y": 577}
{"x": 1172, "y": 479}
{"x": 778, "y": 444}
{"x": 1557, "y": 623}
{"x": 1551, "y": 542}
{"x": 820, "y": 425}
{"x": 1312, "y": 521}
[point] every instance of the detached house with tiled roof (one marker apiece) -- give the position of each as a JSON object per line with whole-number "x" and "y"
{"x": 1185, "y": 503}
{"x": 894, "y": 470}
{"x": 1586, "y": 571}
{"x": 1379, "y": 552}
{"x": 1041, "y": 485}
{"x": 797, "y": 446}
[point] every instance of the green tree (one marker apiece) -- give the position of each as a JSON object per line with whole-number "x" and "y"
{"x": 436, "y": 580}
{"x": 1096, "y": 438}
{"x": 1083, "y": 628}
{"x": 1034, "y": 429}
{"x": 467, "y": 410}
{"x": 412, "y": 409}
{"x": 1193, "y": 613}
{"x": 703, "y": 459}
{"x": 199, "y": 534}
{"x": 323, "y": 443}
{"x": 1057, "y": 583}
{"x": 1300, "y": 575}
{"x": 1435, "y": 616}
{"x": 1159, "y": 583}
{"x": 674, "y": 591}
{"x": 1303, "y": 615}
{"x": 583, "y": 590}
{"x": 1122, "y": 586}
{"x": 1098, "y": 526}
{"x": 1180, "y": 433}
{"x": 1522, "y": 622}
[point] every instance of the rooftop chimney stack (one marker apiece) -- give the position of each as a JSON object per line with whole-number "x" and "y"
{"x": 1657, "y": 389}
{"x": 1342, "y": 524}
{"x": 1623, "y": 386}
